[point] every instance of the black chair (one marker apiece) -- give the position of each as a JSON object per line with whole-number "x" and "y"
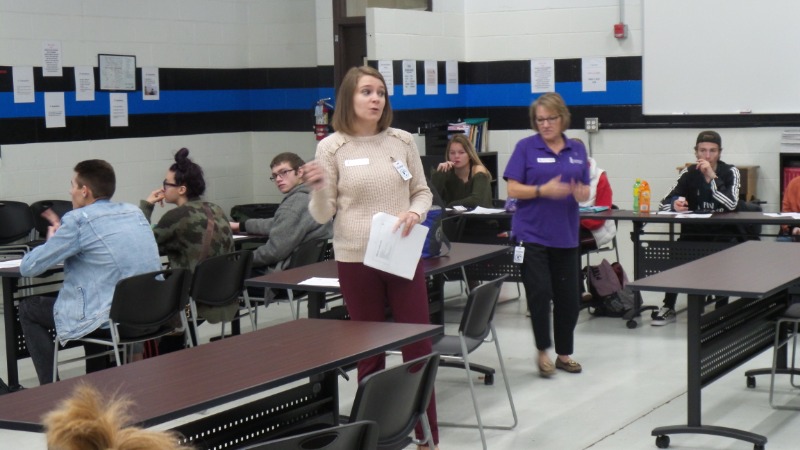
{"x": 475, "y": 327}
{"x": 749, "y": 232}
{"x": 790, "y": 316}
{"x": 60, "y": 207}
{"x": 16, "y": 228}
{"x": 397, "y": 398}
{"x": 219, "y": 281}
{"x": 361, "y": 435}
{"x": 144, "y": 307}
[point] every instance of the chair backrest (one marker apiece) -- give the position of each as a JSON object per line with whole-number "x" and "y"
{"x": 479, "y": 310}
{"x": 16, "y": 221}
{"x": 396, "y": 397}
{"x": 362, "y": 435}
{"x": 143, "y": 303}
{"x": 219, "y": 280}
{"x": 308, "y": 253}
{"x": 749, "y": 232}
{"x": 59, "y": 207}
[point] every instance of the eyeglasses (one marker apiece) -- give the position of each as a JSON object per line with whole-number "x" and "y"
{"x": 281, "y": 174}
{"x": 551, "y": 120}
{"x": 165, "y": 184}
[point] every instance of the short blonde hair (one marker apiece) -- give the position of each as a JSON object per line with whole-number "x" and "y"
{"x": 554, "y": 102}
{"x": 344, "y": 115}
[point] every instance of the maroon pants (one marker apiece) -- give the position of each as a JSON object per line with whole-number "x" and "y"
{"x": 367, "y": 292}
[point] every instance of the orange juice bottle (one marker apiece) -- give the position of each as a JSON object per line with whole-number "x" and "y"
{"x": 644, "y": 197}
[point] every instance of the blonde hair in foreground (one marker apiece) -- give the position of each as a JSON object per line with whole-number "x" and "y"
{"x": 85, "y": 421}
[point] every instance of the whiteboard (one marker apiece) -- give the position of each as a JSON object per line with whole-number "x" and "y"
{"x": 721, "y": 57}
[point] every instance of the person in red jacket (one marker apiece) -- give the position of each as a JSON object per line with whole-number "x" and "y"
{"x": 596, "y": 233}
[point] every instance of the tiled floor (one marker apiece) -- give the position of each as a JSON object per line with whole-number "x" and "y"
{"x": 633, "y": 381}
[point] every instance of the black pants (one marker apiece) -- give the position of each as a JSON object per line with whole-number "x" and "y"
{"x": 552, "y": 274}
{"x": 36, "y": 318}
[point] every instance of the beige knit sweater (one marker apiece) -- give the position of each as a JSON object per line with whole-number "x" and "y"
{"x": 361, "y": 181}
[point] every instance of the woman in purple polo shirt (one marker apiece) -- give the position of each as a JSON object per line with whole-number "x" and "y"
{"x": 548, "y": 175}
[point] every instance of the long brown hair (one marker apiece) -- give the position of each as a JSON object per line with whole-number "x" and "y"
{"x": 474, "y": 160}
{"x": 344, "y": 115}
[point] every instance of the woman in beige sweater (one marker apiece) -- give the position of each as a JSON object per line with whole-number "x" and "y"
{"x": 363, "y": 168}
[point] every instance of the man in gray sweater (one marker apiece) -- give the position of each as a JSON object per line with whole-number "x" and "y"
{"x": 292, "y": 224}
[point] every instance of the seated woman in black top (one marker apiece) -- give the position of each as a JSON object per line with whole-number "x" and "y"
{"x": 463, "y": 180}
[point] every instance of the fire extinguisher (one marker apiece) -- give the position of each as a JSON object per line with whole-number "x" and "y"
{"x": 322, "y": 111}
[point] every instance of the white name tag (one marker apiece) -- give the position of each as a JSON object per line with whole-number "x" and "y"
{"x": 545, "y": 160}
{"x": 356, "y": 162}
{"x": 519, "y": 254}
{"x": 402, "y": 170}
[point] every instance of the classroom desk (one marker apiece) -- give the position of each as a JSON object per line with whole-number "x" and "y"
{"x": 460, "y": 255}
{"x": 651, "y": 256}
{"x": 13, "y": 289}
{"x": 195, "y": 379}
{"x": 719, "y": 341}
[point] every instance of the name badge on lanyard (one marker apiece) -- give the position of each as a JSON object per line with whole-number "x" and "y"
{"x": 402, "y": 169}
{"x": 519, "y": 254}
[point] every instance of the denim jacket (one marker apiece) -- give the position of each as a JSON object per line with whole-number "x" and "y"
{"x": 99, "y": 245}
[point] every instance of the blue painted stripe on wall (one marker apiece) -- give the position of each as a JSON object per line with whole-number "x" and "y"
{"x": 175, "y": 102}
{"x": 172, "y": 102}
{"x": 517, "y": 94}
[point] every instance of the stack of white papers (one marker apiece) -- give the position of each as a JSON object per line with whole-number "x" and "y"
{"x": 10, "y": 264}
{"x": 482, "y": 210}
{"x": 389, "y": 251}
{"x": 788, "y": 215}
{"x": 319, "y": 281}
{"x": 790, "y": 140}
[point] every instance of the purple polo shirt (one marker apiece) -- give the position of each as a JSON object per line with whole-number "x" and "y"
{"x": 545, "y": 221}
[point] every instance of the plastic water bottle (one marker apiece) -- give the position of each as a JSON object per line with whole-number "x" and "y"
{"x": 644, "y": 197}
{"x": 636, "y": 186}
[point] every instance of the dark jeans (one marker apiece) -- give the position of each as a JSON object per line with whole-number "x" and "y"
{"x": 367, "y": 292}
{"x": 552, "y": 274}
{"x": 36, "y": 318}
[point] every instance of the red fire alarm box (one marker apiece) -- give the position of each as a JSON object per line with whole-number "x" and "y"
{"x": 620, "y": 30}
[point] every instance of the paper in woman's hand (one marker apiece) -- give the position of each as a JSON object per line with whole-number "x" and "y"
{"x": 389, "y": 251}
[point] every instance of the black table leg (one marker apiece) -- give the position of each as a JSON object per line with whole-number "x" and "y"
{"x": 316, "y": 303}
{"x": 10, "y": 317}
{"x": 695, "y": 385}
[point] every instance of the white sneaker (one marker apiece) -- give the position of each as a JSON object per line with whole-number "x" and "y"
{"x": 663, "y": 317}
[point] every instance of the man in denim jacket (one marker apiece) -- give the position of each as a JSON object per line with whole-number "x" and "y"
{"x": 100, "y": 242}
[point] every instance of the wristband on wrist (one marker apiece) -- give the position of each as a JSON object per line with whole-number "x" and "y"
{"x": 538, "y": 191}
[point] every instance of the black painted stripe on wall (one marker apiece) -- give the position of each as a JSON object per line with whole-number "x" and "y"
{"x": 503, "y": 72}
{"x": 28, "y": 130}
{"x": 192, "y": 79}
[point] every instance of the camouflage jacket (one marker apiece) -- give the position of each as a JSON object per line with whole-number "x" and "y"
{"x": 180, "y": 231}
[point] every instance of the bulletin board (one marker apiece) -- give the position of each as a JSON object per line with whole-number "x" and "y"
{"x": 117, "y": 72}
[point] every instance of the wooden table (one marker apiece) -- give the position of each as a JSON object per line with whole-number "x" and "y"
{"x": 654, "y": 252}
{"x": 721, "y": 340}
{"x": 460, "y": 255}
{"x": 192, "y": 380}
